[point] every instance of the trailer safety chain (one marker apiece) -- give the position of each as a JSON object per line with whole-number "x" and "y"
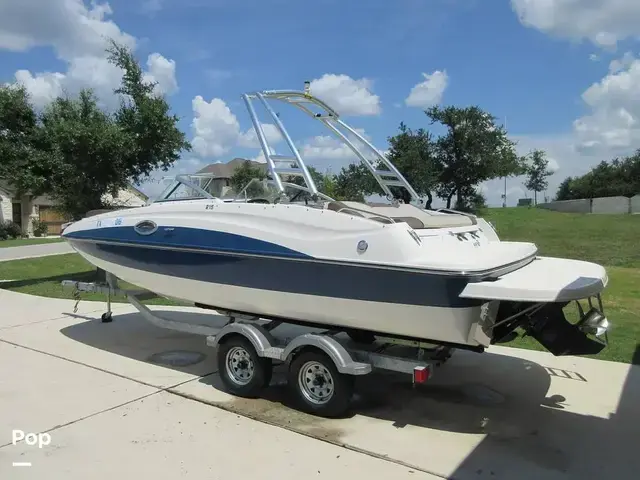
{"x": 76, "y": 296}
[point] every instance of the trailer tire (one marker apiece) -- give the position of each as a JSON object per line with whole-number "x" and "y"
{"x": 242, "y": 371}
{"x": 317, "y": 387}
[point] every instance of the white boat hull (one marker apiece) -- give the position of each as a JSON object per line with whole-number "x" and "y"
{"x": 440, "y": 324}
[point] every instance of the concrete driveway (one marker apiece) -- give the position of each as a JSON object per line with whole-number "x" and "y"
{"x": 113, "y": 408}
{"x": 31, "y": 251}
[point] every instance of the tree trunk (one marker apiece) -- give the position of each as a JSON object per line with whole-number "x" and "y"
{"x": 535, "y": 197}
{"x": 429, "y": 201}
{"x": 453, "y": 192}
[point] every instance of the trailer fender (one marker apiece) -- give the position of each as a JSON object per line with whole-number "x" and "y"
{"x": 260, "y": 338}
{"x": 342, "y": 359}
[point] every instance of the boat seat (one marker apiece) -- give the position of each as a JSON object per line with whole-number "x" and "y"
{"x": 413, "y": 222}
{"x": 416, "y": 218}
{"x": 342, "y": 208}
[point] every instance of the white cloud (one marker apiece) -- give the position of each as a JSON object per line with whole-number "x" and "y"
{"x": 603, "y": 22}
{"x": 325, "y": 147}
{"x": 78, "y": 36}
{"x": 611, "y": 128}
{"x": 612, "y": 125}
{"x": 346, "y": 95}
{"x": 72, "y": 29}
{"x": 328, "y": 152}
{"x": 429, "y": 92}
{"x": 249, "y": 139}
{"x": 216, "y": 128}
{"x": 42, "y": 87}
{"x": 162, "y": 71}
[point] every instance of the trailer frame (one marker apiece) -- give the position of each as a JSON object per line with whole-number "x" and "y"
{"x": 325, "y": 361}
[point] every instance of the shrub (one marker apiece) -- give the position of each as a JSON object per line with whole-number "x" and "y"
{"x": 9, "y": 229}
{"x": 40, "y": 228}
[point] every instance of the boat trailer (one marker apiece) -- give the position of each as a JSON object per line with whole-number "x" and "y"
{"x": 322, "y": 365}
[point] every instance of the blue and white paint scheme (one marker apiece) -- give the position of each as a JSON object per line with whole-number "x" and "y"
{"x": 396, "y": 269}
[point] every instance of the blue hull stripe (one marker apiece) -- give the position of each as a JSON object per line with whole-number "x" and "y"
{"x": 284, "y": 274}
{"x": 192, "y": 238}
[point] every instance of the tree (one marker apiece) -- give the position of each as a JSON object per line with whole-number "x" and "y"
{"x": 18, "y": 123}
{"x": 619, "y": 177}
{"x": 243, "y": 174}
{"x": 564, "y": 190}
{"x": 413, "y": 154}
{"x": 537, "y": 173}
{"x": 473, "y": 201}
{"x": 76, "y": 153}
{"x": 323, "y": 183}
{"x": 85, "y": 156}
{"x": 354, "y": 182}
{"x": 153, "y": 136}
{"x": 472, "y": 151}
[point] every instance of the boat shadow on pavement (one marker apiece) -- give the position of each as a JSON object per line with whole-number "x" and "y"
{"x": 505, "y": 416}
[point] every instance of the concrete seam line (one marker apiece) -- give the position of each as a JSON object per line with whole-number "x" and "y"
{"x": 170, "y": 390}
{"x": 128, "y": 402}
{"x": 346, "y": 446}
{"x": 57, "y": 427}
{"x": 124, "y": 377}
{"x": 67, "y": 315}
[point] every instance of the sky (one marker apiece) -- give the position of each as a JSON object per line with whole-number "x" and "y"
{"x": 562, "y": 75}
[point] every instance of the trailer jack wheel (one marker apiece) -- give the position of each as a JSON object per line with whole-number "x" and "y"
{"x": 317, "y": 386}
{"x": 242, "y": 371}
{"x": 106, "y": 317}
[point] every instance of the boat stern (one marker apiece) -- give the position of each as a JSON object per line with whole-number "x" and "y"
{"x": 534, "y": 298}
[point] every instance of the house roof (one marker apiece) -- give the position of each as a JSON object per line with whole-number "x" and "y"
{"x": 225, "y": 170}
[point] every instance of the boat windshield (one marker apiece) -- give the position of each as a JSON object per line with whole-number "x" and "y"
{"x": 188, "y": 187}
{"x": 199, "y": 186}
{"x": 266, "y": 191}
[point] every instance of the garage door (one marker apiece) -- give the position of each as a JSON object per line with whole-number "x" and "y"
{"x": 53, "y": 219}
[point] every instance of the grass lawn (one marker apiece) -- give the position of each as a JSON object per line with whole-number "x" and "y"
{"x": 21, "y": 242}
{"x": 610, "y": 240}
{"x": 43, "y": 276}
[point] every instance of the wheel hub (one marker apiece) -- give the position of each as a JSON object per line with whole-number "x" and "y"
{"x": 240, "y": 366}
{"x": 316, "y": 383}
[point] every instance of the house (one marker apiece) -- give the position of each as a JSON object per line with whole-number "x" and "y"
{"x": 223, "y": 172}
{"x": 27, "y": 208}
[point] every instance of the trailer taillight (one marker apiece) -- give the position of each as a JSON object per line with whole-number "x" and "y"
{"x": 421, "y": 374}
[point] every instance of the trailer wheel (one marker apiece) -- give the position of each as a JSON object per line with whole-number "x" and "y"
{"x": 317, "y": 386}
{"x": 242, "y": 371}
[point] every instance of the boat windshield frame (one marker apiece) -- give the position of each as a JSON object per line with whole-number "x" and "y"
{"x": 185, "y": 180}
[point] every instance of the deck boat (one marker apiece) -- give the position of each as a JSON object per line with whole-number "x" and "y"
{"x": 283, "y": 250}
